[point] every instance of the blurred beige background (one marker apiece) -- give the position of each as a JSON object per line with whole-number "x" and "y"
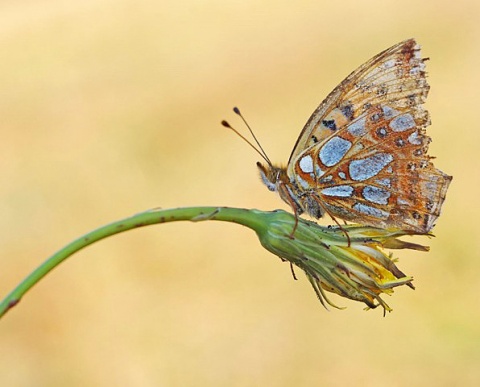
{"x": 109, "y": 108}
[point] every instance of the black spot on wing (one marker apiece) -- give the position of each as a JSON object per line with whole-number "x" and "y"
{"x": 330, "y": 124}
{"x": 347, "y": 111}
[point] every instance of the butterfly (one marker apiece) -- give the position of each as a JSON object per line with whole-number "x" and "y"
{"x": 362, "y": 155}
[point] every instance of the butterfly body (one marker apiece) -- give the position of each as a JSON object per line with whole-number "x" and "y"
{"x": 277, "y": 180}
{"x": 362, "y": 155}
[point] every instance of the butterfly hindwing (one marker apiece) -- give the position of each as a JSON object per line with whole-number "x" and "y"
{"x": 375, "y": 170}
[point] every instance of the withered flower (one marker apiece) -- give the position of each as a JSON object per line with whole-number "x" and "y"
{"x": 354, "y": 266}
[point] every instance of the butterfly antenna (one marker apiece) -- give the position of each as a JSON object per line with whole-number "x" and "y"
{"x": 236, "y": 110}
{"x": 261, "y": 152}
{"x": 227, "y": 125}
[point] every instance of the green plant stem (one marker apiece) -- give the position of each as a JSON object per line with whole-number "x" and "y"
{"x": 352, "y": 266}
{"x": 249, "y": 218}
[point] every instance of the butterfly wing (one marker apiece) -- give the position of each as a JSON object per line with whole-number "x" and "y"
{"x": 394, "y": 76}
{"x": 363, "y": 153}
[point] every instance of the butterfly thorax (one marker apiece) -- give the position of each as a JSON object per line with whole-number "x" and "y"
{"x": 277, "y": 180}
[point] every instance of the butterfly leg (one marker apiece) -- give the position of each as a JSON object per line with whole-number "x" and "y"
{"x": 294, "y": 226}
{"x": 293, "y": 271}
{"x": 286, "y": 196}
{"x": 325, "y": 210}
{"x": 341, "y": 228}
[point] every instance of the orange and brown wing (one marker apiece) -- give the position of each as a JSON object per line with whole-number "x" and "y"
{"x": 383, "y": 178}
{"x": 365, "y": 157}
{"x": 395, "y": 76}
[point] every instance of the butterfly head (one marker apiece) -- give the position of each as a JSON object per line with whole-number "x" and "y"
{"x": 277, "y": 180}
{"x": 272, "y": 176}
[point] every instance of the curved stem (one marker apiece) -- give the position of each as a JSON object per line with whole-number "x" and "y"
{"x": 352, "y": 266}
{"x": 242, "y": 216}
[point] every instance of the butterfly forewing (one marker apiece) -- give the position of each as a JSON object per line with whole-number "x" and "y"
{"x": 363, "y": 153}
{"x": 396, "y": 76}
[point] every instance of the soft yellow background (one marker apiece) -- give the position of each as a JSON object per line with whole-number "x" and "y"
{"x": 108, "y": 108}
